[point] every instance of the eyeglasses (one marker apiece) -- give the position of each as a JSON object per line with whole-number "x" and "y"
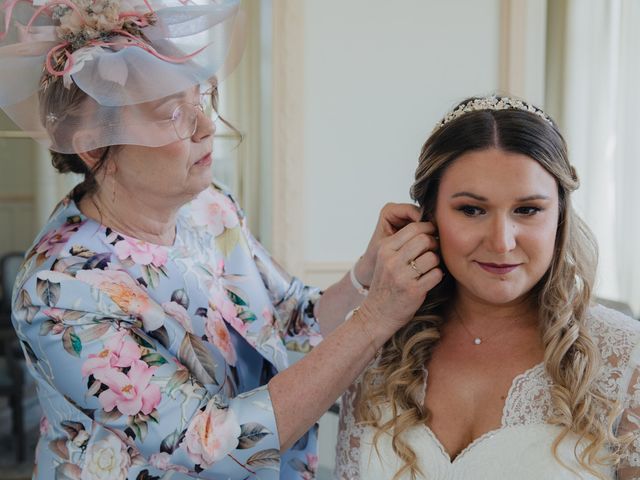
{"x": 185, "y": 118}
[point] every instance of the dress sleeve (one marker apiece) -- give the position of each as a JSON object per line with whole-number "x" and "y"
{"x": 349, "y": 433}
{"x": 115, "y": 378}
{"x": 629, "y": 422}
{"x": 293, "y": 301}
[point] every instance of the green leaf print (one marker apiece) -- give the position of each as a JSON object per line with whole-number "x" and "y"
{"x": 26, "y": 310}
{"x": 48, "y": 291}
{"x": 171, "y": 442}
{"x": 59, "y": 448}
{"x": 138, "y": 427}
{"x": 90, "y": 334}
{"x": 151, "y": 275}
{"x": 228, "y": 240}
{"x": 250, "y": 434}
{"x": 46, "y": 327}
{"x": 181, "y": 297}
{"x": 71, "y": 342}
{"x": 236, "y": 298}
{"x": 265, "y": 459}
{"x": 194, "y": 355}
{"x": 179, "y": 377}
{"x": 68, "y": 471}
{"x": 247, "y": 316}
{"x": 153, "y": 359}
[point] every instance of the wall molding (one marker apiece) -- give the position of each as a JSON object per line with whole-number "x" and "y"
{"x": 16, "y": 198}
{"x": 288, "y": 134}
{"x": 323, "y": 274}
{"x": 523, "y": 35}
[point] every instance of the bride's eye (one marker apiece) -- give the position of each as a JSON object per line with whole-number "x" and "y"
{"x": 470, "y": 210}
{"x": 528, "y": 211}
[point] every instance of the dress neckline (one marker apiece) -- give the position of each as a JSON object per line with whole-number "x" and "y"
{"x": 490, "y": 433}
{"x": 76, "y": 211}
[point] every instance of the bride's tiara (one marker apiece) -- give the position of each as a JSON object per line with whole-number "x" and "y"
{"x": 492, "y": 102}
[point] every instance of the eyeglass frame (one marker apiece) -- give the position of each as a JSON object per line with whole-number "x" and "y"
{"x": 196, "y": 106}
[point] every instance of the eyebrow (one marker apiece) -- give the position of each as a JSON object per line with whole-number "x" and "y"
{"x": 161, "y": 101}
{"x": 480, "y": 198}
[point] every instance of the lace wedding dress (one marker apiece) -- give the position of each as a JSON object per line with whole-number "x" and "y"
{"x": 521, "y": 448}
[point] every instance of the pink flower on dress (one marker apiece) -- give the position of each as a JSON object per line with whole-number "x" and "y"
{"x": 127, "y": 294}
{"x": 177, "y": 311}
{"x": 218, "y": 269}
{"x": 161, "y": 460}
{"x": 312, "y": 463}
{"x": 44, "y": 426}
{"x": 267, "y": 314}
{"x": 218, "y": 334}
{"x": 120, "y": 351}
{"x": 142, "y": 253}
{"x": 130, "y": 393}
{"x": 54, "y": 241}
{"x": 55, "y": 314}
{"x": 211, "y": 435}
{"x": 221, "y": 302}
{"x": 215, "y": 210}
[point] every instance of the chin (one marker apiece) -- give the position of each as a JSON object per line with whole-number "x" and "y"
{"x": 500, "y": 294}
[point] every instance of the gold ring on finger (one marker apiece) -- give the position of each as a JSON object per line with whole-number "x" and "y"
{"x": 413, "y": 265}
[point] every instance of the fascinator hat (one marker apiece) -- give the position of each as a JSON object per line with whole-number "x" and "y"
{"x": 130, "y": 58}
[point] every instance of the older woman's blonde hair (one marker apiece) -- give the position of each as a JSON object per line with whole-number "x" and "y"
{"x": 563, "y": 294}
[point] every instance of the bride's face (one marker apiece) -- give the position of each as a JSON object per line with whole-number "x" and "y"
{"x": 497, "y": 217}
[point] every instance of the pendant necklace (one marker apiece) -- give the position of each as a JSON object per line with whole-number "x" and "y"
{"x": 477, "y": 340}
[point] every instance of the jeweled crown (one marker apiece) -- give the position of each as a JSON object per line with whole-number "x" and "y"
{"x": 492, "y": 102}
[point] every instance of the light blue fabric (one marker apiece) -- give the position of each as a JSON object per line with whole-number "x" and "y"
{"x": 153, "y": 360}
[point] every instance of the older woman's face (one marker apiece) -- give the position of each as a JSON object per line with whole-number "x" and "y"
{"x": 175, "y": 172}
{"x": 497, "y": 217}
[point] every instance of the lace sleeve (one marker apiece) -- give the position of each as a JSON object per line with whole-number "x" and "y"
{"x": 629, "y": 467}
{"x": 349, "y": 433}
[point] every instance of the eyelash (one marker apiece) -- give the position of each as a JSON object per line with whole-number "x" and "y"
{"x": 473, "y": 211}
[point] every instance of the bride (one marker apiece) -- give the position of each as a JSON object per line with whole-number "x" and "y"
{"x": 507, "y": 370}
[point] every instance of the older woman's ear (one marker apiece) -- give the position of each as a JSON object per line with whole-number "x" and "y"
{"x": 92, "y": 158}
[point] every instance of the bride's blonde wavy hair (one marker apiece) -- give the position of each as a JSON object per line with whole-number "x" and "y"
{"x": 563, "y": 294}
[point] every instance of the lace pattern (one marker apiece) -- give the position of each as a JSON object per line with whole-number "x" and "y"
{"x": 529, "y": 398}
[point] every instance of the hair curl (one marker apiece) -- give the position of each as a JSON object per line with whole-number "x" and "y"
{"x": 571, "y": 357}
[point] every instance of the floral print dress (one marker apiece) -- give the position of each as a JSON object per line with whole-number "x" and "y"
{"x": 151, "y": 361}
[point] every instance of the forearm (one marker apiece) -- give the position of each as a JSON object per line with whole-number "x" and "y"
{"x": 303, "y": 392}
{"x": 335, "y": 303}
{"x": 340, "y": 298}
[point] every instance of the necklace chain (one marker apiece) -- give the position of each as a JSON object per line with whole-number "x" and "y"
{"x": 477, "y": 340}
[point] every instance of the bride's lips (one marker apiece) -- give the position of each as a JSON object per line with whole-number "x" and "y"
{"x": 205, "y": 161}
{"x": 498, "y": 268}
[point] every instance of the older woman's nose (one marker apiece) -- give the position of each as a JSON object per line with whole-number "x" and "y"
{"x": 205, "y": 127}
{"x": 502, "y": 235}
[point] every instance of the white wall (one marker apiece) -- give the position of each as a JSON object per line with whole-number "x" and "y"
{"x": 377, "y": 77}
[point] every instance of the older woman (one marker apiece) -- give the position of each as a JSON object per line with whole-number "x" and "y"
{"x": 154, "y": 324}
{"x": 507, "y": 370}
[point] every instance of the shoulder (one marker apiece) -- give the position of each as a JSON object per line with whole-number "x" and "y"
{"x": 617, "y": 336}
{"x": 214, "y": 207}
{"x": 608, "y": 326}
{"x": 65, "y": 230}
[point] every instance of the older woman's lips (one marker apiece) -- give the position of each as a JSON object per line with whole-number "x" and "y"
{"x": 204, "y": 161}
{"x": 498, "y": 268}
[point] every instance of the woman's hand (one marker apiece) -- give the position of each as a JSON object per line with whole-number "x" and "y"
{"x": 393, "y": 217}
{"x": 406, "y": 268}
